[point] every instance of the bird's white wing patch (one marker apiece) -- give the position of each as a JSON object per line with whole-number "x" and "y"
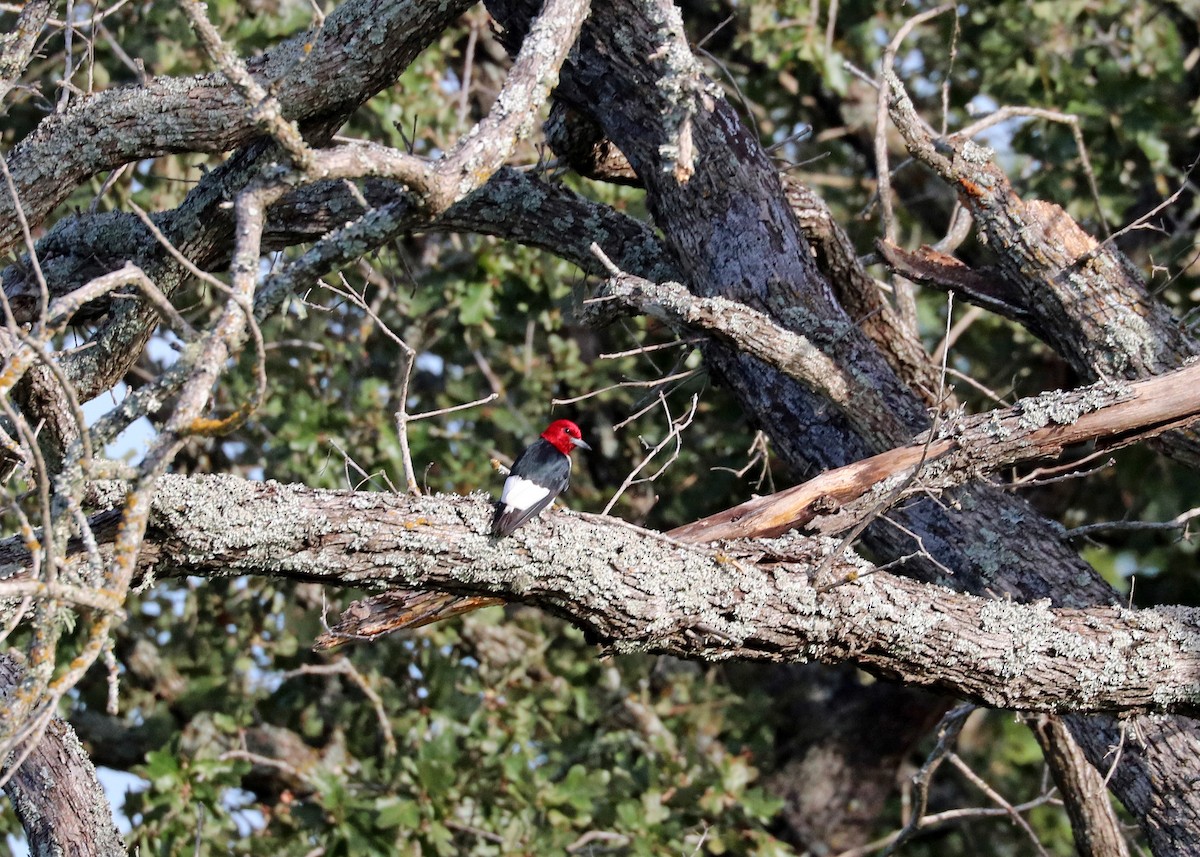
{"x": 520, "y": 493}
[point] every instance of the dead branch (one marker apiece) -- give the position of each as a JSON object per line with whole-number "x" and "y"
{"x": 1049, "y": 268}
{"x": 1111, "y": 415}
{"x": 1094, "y": 823}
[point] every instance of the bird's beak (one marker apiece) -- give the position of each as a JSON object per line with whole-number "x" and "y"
{"x": 577, "y": 442}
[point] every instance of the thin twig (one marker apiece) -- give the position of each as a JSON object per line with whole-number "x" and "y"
{"x": 1180, "y": 521}
{"x": 998, "y": 799}
{"x": 675, "y": 433}
{"x": 905, "y": 301}
{"x": 947, "y": 734}
{"x": 656, "y": 382}
{"x": 344, "y": 667}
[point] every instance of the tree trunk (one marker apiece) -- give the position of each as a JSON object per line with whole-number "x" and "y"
{"x": 55, "y": 793}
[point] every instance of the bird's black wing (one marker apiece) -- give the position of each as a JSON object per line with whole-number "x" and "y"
{"x": 550, "y": 468}
{"x": 509, "y": 518}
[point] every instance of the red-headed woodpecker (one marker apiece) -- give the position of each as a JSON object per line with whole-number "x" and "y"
{"x": 539, "y": 474}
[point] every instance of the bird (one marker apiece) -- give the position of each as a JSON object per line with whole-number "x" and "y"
{"x": 540, "y": 473}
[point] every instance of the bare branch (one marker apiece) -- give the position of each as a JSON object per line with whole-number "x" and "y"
{"x": 1094, "y": 823}
{"x": 905, "y": 299}
{"x": 756, "y": 334}
{"x": 674, "y": 433}
{"x": 966, "y": 450}
{"x": 1050, "y": 268}
{"x": 947, "y": 734}
{"x": 345, "y": 667}
{"x": 264, "y": 108}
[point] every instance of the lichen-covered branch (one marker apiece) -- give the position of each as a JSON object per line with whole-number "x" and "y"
{"x": 753, "y": 332}
{"x": 361, "y": 48}
{"x": 638, "y": 591}
{"x": 16, "y": 47}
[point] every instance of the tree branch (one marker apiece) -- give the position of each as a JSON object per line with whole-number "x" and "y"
{"x": 361, "y": 48}
{"x": 1111, "y": 415}
{"x": 16, "y": 47}
{"x": 1083, "y": 298}
{"x": 753, "y": 332}
{"x": 1094, "y": 824}
{"x": 55, "y": 793}
{"x": 638, "y": 591}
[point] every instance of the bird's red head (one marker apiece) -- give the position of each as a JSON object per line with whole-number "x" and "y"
{"x": 564, "y": 435}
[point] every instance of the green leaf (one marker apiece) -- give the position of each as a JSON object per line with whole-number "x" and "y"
{"x": 398, "y": 812}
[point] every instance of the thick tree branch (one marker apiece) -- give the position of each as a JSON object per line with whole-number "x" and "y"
{"x": 1094, "y": 824}
{"x": 361, "y": 48}
{"x": 55, "y": 793}
{"x": 638, "y": 591}
{"x": 551, "y": 217}
{"x": 861, "y": 295}
{"x": 753, "y": 332}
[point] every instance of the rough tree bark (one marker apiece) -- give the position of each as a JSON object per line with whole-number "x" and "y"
{"x": 361, "y": 48}
{"x": 54, "y": 791}
{"x": 785, "y": 600}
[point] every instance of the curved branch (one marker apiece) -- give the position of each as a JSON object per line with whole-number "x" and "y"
{"x": 361, "y": 48}
{"x": 753, "y": 332}
{"x": 1111, "y": 415}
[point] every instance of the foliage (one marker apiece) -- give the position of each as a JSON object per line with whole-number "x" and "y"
{"x": 513, "y": 739}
